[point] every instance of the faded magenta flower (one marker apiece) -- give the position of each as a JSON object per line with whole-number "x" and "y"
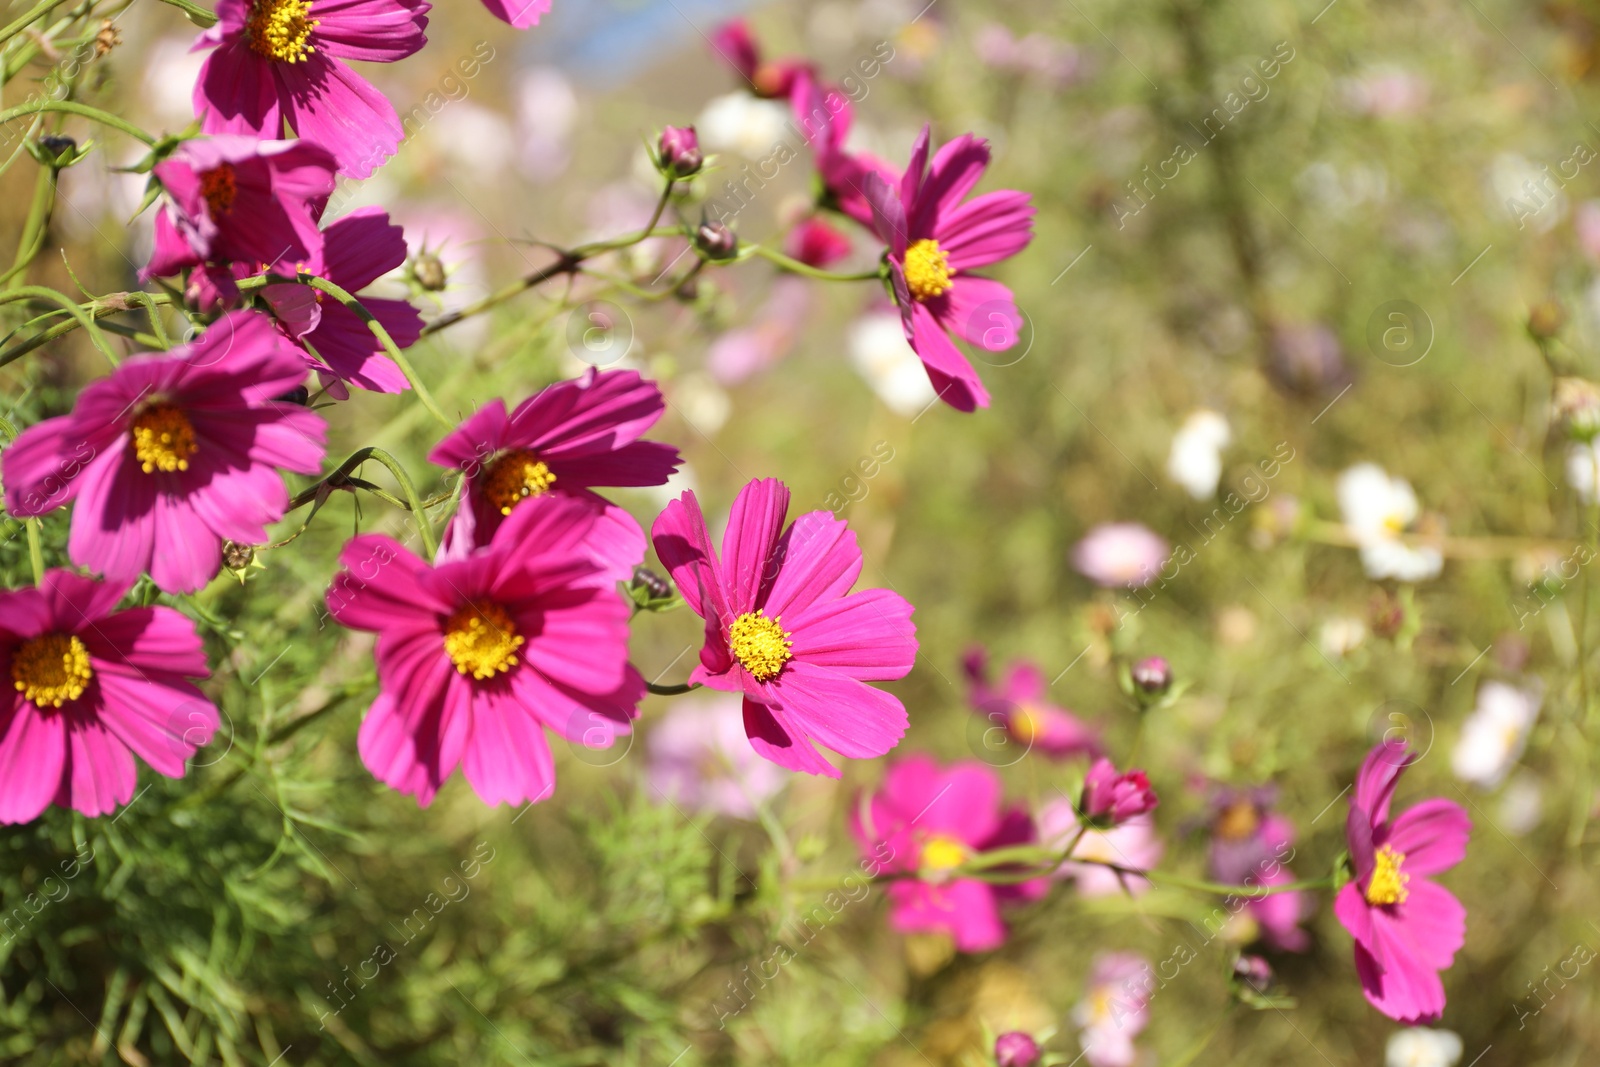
{"x": 1021, "y": 707}
{"x": 930, "y": 820}
{"x": 478, "y": 656}
{"x": 1406, "y": 928}
{"x": 172, "y": 454}
{"x": 519, "y": 13}
{"x": 737, "y": 46}
{"x": 783, "y": 628}
{"x": 282, "y": 62}
{"x": 1115, "y": 1008}
{"x": 1250, "y": 845}
{"x": 1110, "y": 799}
{"x": 934, "y": 241}
{"x": 91, "y": 688}
{"x": 1101, "y": 859}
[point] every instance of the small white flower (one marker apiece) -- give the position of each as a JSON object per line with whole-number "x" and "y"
{"x": 1195, "y": 461}
{"x": 1420, "y": 1047}
{"x": 1521, "y": 804}
{"x": 740, "y": 123}
{"x": 1341, "y": 636}
{"x": 1377, "y": 508}
{"x": 1583, "y": 464}
{"x": 879, "y": 352}
{"x": 1494, "y": 735}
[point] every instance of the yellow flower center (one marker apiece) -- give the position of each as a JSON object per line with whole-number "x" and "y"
{"x": 1025, "y": 723}
{"x": 927, "y": 269}
{"x": 163, "y": 439}
{"x": 51, "y": 670}
{"x": 1388, "y": 885}
{"x": 219, "y": 188}
{"x": 515, "y": 477}
{"x": 942, "y": 854}
{"x": 1238, "y": 821}
{"x": 760, "y": 644}
{"x": 481, "y": 640}
{"x": 279, "y": 29}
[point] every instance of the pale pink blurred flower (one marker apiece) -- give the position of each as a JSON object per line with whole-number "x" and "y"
{"x": 1587, "y": 222}
{"x": 1134, "y": 845}
{"x": 1115, "y": 1008}
{"x": 741, "y": 353}
{"x": 1120, "y": 554}
{"x": 701, "y": 759}
{"x": 547, "y": 112}
{"x": 1386, "y": 92}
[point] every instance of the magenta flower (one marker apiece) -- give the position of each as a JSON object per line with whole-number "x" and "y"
{"x": 562, "y": 441}
{"x": 930, "y": 821}
{"x": 783, "y": 628}
{"x": 173, "y": 454}
{"x": 91, "y": 688}
{"x": 1014, "y": 1048}
{"x": 1406, "y": 928}
{"x": 1249, "y": 846}
{"x": 1110, "y": 799}
{"x": 816, "y": 243}
{"x": 478, "y": 656}
{"x": 279, "y": 62}
{"x": 700, "y": 759}
{"x": 934, "y": 240}
{"x": 772, "y": 79}
{"x": 238, "y": 199}
{"x": 1133, "y": 846}
{"x": 824, "y": 116}
{"x": 519, "y": 13}
{"x": 1020, "y": 706}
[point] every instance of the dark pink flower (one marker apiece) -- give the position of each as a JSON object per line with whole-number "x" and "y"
{"x": 563, "y": 441}
{"x": 239, "y": 199}
{"x": 1021, "y": 707}
{"x": 783, "y": 628}
{"x": 934, "y": 240}
{"x": 519, "y": 13}
{"x": 824, "y": 115}
{"x": 92, "y": 687}
{"x": 478, "y": 656}
{"x": 1250, "y": 845}
{"x": 173, "y": 454}
{"x": 773, "y": 79}
{"x": 926, "y": 822}
{"x": 817, "y": 244}
{"x": 1016, "y": 1049}
{"x": 1406, "y": 928}
{"x": 1110, "y": 799}
{"x": 280, "y": 62}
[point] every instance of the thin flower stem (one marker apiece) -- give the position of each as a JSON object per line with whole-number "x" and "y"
{"x": 1045, "y": 861}
{"x": 39, "y": 292}
{"x": 195, "y": 13}
{"x": 340, "y": 477}
{"x": 671, "y": 690}
{"x": 34, "y": 229}
{"x": 794, "y": 266}
{"x": 38, "y": 12}
{"x": 72, "y": 107}
{"x": 35, "y": 550}
{"x": 1489, "y": 547}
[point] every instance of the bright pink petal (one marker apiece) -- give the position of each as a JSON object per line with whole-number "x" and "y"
{"x": 100, "y": 771}
{"x": 381, "y": 585}
{"x": 1378, "y": 776}
{"x": 684, "y": 547}
{"x": 868, "y": 635}
{"x": 329, "y": 104}
{"x": 519, "y": 13}
{"x": 188, "y": 554}
{"x": 1408, "y": 989}
{"x": 1432, "y": 836}
{"x": 754, "y": 524}
{"x": 1432, "y": 921}
{"x": 821, "y": 561}
{"x": 775, "y": 738}
{"x": 599, "y": 412}
{"x": 956, "y": 168}
{"x": 33, "y": 754}
{"x": 980, "y": 311}
{"x": 376, "y": 31}
{"x": 849, "y": 717}
{"x": 162, "y": 719}
{"x": 475, "y": 441}
{"x": 507, "y": 760}
{"x": 41, "y": 466}
{"x": 965, "y": 909}
{"x": 986, "y": 229}
{"x": 952, "y": 375}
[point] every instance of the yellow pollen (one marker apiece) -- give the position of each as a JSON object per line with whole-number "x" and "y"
{"x": 943, "y": 854}
{"x": 279, "y": 29}
{"x": 515, "y": 477}
{"x": 481, "y": 640}
{"x": 51, "y": 670}
{"x": 163, "y": 439}
{"x": 1388, "y": 885}
{"x": 760, "y": 644}
{"x": 1025, "y": 723}
{"x": 219, "y": 188}
{"x": 1394, "y": 524}
{"x": 927, "y": 269}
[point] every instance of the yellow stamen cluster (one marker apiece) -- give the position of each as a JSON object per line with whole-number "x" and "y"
{"x": 760, "y": 644}
{"x": 219, "y": 186}
{"x": 942, "y": 854}
{"x": 163, "y": 439}
{"x": 927, "y": 269}
{"x": 515, "y": 477}
{"x": 481, "y": 640}
{"x": 1026, "y": 723}
{"x": 51, "y": 670}
{"x": 1238, "y": 821}
{"x": 279, "y": 29}
{"x": 1388, "y": 885}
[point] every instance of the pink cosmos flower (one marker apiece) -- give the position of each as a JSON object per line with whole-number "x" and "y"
{"x": 699, "y": 757}
{"x": 742, "y": 353}
{"x": 1134, "y": 845}
{"x": 1021, "y": 707}
{"x": 563, "y": 441}
{"x": 934, "y": 240}
{"x": 238, "y": 199}
{"x": 478, "y": 656}
{"x": 932, "y": 820}
{"x": 280, "y": 62}
{"x": 1249, "y": 846}
{"x": 173, "y": 454}
{"x": 92, "y": 687}
{"x": 816, "y": 243}
{"x": 519, "y": 13}
{"x": 1115, "y": 1008}
{"x": 783, "y": 628}
{"x": 1406, "y": 928}
{"x": 737, "y": 47}
{"x": 824, "y": 116}
{"x": 1118, "y": 554}
{"x": 1111, "y": 799}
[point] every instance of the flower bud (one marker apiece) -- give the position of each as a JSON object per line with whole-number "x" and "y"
{"x": 299, "y": 395}
{"x": 428, "y": 272}
{"x": 678, "y": 152}
{"x": 1575, "y": 403}
{"x": 1546, "y": 319}
{"x": 1254, "y": 972}
{"x": 1111, "y": 799}
{"x": 1152, "y": 676}
{"x": 651, "y": 582}
{"x": 1016, "y": 1049}
{"x": 716, "y": 241}
{"x": 55, "y": 151}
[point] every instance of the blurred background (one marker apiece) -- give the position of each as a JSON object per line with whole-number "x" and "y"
{"x": 1357, "y": 233}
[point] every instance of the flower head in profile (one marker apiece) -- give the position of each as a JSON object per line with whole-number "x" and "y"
{"x": 173, "y": 454}
{"x": 1115, "y": 1008}
{"x": 1493, "y": 737}
{"x": 283, "y": 62}
{"x": 1377, "y": 509}
{"x": 1101, "y": 859}
{"x": 1021, "y": 707}
{"x": 89, "y": 689}
{"x": 1110, "y": 798}
{"x": 737, "y": 47}
{"x": 1249, "y": 846}
{"x": 783, "y": 628}
{"x": 563, "y": 441}
{"x": 699, "y": 757}
{"x": 478, "y": 656}
{"x": 936, "y": 237}
{"x": 924, "y": 823}
{"x": 1406, "y": 928}
{"x": 518, "y": 13}
{"x": 1120, "y": 555}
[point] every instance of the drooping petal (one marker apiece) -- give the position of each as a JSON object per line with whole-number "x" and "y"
{"x": 684, "y": 547}
{"x": 986, "y": 229}
{"x": 953, "y": 377}
{"x": 775, "y": 738}
{"x": 1378, "y": 776}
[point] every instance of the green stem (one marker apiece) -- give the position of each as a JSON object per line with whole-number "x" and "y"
{"x": 794, "y": 266}
{"x": 33, "y": 230}
{"x": 39, "y": 11}
{"x": 39, "y": 292}
{"x": 1043, "y": 861}
{"x": 385, "y": 340}
{"x": 72, "y": 107}
{"x": 35, "y": 550}
{"x": 195, "y": 13}
{"x": 340, "y": 477}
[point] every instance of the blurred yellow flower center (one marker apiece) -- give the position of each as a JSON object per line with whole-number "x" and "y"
{"x": 1388, "y": 885}
{"x": 482, "y": 641}
{"x": 927, "y": 269}
{"x": 943, "y": 854}
{"x": 1025, "y": 723}
{"x": 515, "y": 477}
{"x": 51, "y": 670}
{"x": 218, "y": 186}
{"x": 760, "y": 644}
{"x": 1238, "y": 821}
{"x": 163, "y": 439}
{"x": 278, "y": 29}
{"x": 1394, "y": 524}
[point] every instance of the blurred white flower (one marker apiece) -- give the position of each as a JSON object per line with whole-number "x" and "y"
{"x": 170, "y": 73}
{"x": 1418, "y": 1046}
{"x": 547, "y": 111}
{"x": 1117, "y": 554}
{"x": 1377, "y": 508}
{"x": 1385, "y": 92}
{"x": 701, "y": 402}
{"x": 1341, "y": 636}
{"x": 1521, "y": 804}
{"x": 1583, "y": 469}
{"x": 1195, "y": 461}
{"x": 1529, "y": 195}
{"x": 880, "y": 354}
{"x": 742, "y": 124}
{"x": 1495, "y": 733}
